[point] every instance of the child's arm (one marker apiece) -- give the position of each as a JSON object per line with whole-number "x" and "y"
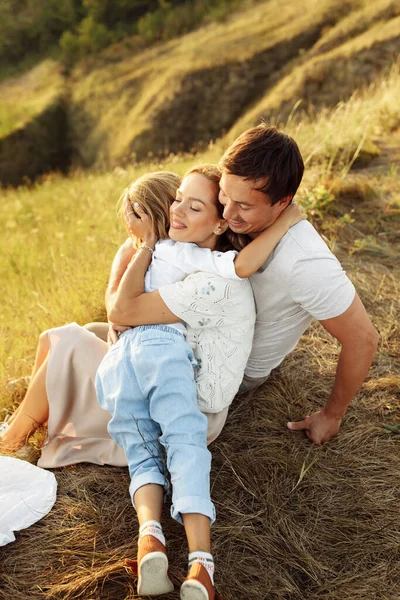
{"x": 254, "y": 255}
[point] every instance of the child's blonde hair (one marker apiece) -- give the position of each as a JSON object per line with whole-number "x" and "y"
{"x": 154, "y": 192}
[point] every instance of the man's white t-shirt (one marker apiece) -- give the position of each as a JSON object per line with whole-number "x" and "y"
{"x": 302, "y": 280}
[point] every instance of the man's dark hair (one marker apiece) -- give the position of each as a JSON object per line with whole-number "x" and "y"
{"x": 264, "y": 153}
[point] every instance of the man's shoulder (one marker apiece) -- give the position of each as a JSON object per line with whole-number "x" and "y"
{"x": 305, "y": 239}
{"x": 301, "y": 243}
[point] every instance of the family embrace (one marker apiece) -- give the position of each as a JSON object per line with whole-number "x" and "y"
{"x": 218, "y": 280}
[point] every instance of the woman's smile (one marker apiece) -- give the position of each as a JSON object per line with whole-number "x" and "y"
{"x": 175, "y": 224}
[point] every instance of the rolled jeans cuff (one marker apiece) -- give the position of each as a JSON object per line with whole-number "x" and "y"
{"x": 152, "y": 477}
{"x": 192, "y": 504}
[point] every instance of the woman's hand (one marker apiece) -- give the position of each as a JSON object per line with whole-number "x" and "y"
{"x": 139, "y": 224}
{"x": 292, "y": 215}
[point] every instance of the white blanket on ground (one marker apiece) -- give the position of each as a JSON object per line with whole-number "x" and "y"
{"x": 27, "y": 494}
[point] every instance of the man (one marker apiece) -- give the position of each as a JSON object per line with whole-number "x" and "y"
{"x": 301, "y": 281}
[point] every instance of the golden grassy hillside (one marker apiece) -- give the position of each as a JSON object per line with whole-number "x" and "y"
{"x": 269, "y": 60}
{"x": 24, "y": 97}
{"x": 348, "y": 57}
{"x": 33, "y": 124}
{"x": 262, "y": 61}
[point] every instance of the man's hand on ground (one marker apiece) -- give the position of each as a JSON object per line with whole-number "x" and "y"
{"x": 319, "y": 428}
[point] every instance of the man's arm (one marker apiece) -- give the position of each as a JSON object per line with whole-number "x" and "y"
{"x": 359, "y": 340}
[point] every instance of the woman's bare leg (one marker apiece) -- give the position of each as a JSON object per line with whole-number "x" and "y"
{"x": 41, "y": 355}
{"x": 34, "y": 409}
{"x": 99, "y": 329}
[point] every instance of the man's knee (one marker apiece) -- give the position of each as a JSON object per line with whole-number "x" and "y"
{"x": 251, "y": 383}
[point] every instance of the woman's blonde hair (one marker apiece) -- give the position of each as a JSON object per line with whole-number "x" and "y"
{"x": 154, "y": 192}
{"x": 228, "y": 240}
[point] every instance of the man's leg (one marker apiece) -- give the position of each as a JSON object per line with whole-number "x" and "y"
{"x": 251, "y": 383}
{"x": 216, "y": 422}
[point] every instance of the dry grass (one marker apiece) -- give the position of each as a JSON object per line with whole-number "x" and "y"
{"x": 294, "y": 521}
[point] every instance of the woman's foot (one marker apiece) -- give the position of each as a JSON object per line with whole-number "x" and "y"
{"x": 4, "y": 426}
{"x": 151, "y": 566}
{"x": 14, "y": 434}
{"x": 199, "y": 584}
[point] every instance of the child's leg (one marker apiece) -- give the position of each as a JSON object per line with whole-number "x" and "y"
{"x": 197, "y": 529}
{"x": 133, "y": 429}
{"x": 149, "y": 502}
{"x": 199, "y": 583}
{"x": 184, "y": 429}
{"x": 188, "y": 460}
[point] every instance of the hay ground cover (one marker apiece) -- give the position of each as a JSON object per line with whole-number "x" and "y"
{"x": 295, "y": 522}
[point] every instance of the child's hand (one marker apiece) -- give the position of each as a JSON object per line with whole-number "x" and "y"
{"x": 114, "y": 332}
{"x": 139, "y": 224}
{"x": 292, "y": 214}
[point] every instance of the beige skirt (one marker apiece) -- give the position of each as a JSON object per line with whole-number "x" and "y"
{"x": 77, "y": 425}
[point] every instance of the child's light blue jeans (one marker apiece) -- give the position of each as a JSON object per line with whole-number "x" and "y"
{"x": 146, "y": 382}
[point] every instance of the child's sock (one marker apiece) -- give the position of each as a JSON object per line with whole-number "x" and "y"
{"x": 152, "y": 528}
{"x": 205, "y": 559}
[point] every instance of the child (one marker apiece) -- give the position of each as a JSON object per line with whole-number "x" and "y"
{"x": 146, "y": 381}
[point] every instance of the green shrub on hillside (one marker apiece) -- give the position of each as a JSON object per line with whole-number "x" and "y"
{"x": 82, "y": 27}
{"x": 170, "y": 21}
{"x": 89, "y": 39}
{"x": 28, "y": 27}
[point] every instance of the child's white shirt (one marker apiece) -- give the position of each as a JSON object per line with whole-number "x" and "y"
{"x": 172, "y": 261}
